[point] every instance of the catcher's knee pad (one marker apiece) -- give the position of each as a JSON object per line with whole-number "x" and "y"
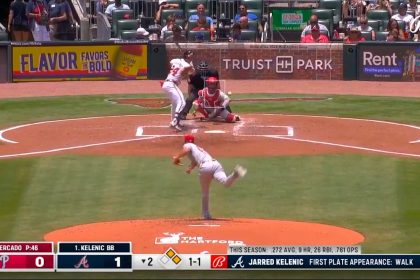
{"x": 230, "y": 118}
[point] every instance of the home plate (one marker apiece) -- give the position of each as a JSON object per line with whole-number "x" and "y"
{"x": 214, "y": 131}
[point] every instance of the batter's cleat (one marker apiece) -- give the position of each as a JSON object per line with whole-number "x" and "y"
{"x": 207, "y": 216}
{"x": 177, "y": 127}
{"x": 240, "y": 171}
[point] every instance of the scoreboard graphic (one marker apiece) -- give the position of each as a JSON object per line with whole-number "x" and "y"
{"x": 118, "y": 257}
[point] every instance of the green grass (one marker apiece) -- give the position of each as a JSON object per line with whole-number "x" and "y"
{"x": 373, "y": 194}
{"x": 16, "y": 111}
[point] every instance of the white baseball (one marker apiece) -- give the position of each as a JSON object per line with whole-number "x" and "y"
{"x": 229, "y": 92}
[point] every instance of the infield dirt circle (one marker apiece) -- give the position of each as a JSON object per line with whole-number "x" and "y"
{"x": 254, "y": 135}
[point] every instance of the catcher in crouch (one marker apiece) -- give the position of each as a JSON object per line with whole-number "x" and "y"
{"x": 212, "y": 102}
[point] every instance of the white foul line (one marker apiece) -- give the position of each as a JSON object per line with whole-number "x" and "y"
{"x": 75, "y": 147}
{"x": 344, "y": 146}
{"x": 416, "y": 141}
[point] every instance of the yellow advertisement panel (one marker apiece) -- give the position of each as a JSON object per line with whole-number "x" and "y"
{"x": 89, "y": 62}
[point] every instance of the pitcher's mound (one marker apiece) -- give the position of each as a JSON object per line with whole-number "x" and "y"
{"x": 191, "y": 236}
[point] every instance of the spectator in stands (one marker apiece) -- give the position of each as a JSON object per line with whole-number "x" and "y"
{"x": 380, "y": 5}
{"x": 313, "y": 20}
{"x": 403, "y": 16}
{"x": 353, "y": 9}
{"x": 170, "y": 21}
{"x": 315, "y": 36}
{"x": 201, "y": 12}
{"x": 117, "y": 5}
{"x": 355, "y": 36}
{"x": 164, "y": 5}
{"x": 18, "y": 23}
{"x": 243, "y": 12}
{"x": 235, "y": 33}
{"x": 101, "y": 6}
{"x": 37, "y": 13}
{"x": 412, "y": 6}
{"x": 364, "y": 26}
{"x": 243, "y": 22}
{"x": 176, "y": 36}
{"x": 394, "y": 31}
{"x": 142, "y": 34}
{"x": 60, "y": 19}
{"x": 201, "y": 25}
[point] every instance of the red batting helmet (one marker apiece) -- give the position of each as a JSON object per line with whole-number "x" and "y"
{"x": 188, "y": 138}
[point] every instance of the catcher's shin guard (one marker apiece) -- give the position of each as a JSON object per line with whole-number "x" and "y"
{"x": 230, "y": 118}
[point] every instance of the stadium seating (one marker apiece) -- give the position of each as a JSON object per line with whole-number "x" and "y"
{"x": 381, "y": 35}
{"x": 336, "y": 6}
{"x": 253, "y": 4}
{"x": 126, "y": 24}
{"x": 367, "y": 35}
{"x": 248, "y": 35}
{"x": 253, "y": 25}
{"x": 198, "y": 36}
{"x": 129, "y": 34}
{"x": 177, "y": 13}
{"x": 381, "y": 15}
{"x": 169, "y": 33}
{"x": 375, "y": 24}
{"x": 118, "y": 15}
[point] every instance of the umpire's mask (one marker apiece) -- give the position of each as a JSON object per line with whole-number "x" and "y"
{"x": 203, "y": 67}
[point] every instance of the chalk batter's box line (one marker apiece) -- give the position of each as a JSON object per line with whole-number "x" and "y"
{"x": 290, "y": 131}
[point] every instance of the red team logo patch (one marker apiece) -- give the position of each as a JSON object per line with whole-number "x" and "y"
{"x": 219, "y": 261}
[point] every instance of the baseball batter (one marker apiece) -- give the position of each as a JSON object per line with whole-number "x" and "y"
{"x": 179, "y": 66}
{"x": 209, "y": 169}
{"x": 213, "y": 103}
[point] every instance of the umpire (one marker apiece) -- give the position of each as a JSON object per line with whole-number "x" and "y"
{"x": 196, "y": 82}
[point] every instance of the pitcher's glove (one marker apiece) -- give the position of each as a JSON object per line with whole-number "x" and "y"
{"x": 176, "y": 161}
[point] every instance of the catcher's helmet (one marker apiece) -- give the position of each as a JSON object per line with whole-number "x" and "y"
{"x": 212, "y": 83}
{"x": 189, "y": 138}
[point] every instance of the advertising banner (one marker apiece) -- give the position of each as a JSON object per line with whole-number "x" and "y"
{"x": 389, "y": 62}
{"x": 79, "y": 62}
{"x": 290, "y": 19}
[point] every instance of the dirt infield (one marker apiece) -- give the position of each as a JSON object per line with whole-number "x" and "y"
{"x": 30, "y": 89}
{"x": 255, "y": 135}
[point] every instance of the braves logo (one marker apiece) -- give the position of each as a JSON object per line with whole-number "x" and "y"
{"x": 219, "y": 261}
{"x": 83, "y": 262}
{"x": 239, "y": 262}
{"x": 4, "y": 259}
